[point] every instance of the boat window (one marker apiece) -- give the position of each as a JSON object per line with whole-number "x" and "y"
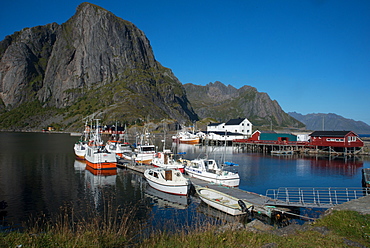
{"x": 177, "y": 174}
{"x": 156, "y": 174}
{"x": 148, "y": 149}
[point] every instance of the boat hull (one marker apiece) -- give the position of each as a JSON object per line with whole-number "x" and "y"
{"x": 80, "y": 151}
{"x": 213, "y": 178}
{"x": 100, "y": 160}
{"x": 175, "y": 190}
{"x": 223, "y": 202}
{"x": 176, "y": 186}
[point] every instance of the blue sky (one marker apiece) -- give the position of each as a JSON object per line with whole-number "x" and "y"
{"x": 312, "y": 56}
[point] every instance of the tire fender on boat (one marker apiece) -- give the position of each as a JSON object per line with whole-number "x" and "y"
{"x": 243, "y": 206}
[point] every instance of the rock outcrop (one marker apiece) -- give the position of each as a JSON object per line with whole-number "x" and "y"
{"x": 95, "y": 61}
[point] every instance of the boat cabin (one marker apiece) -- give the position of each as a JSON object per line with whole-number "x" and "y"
{"x": 168, "y": 175}
{"x": 209, "y": 165}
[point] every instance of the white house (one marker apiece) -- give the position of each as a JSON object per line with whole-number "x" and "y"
{"x": 240, "y": 126}
{"x": 216, "y": 127}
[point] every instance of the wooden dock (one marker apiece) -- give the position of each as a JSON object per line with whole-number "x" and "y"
{"x": 259, "y": 201}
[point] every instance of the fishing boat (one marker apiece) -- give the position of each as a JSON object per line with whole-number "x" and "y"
{"x": 186, "y": 138}
{"x": 118, "y": 147}
{"x": 224, "y": 202}
{"x": 97, "y": 157}
{"x": 208, "y": 170}
{"x": 80, "y": 149}
{"x": 167, "y": 180}
{"x": 117, "y": 143}
{"x": 166, "y": 159}
{"x": 80, "y": 146}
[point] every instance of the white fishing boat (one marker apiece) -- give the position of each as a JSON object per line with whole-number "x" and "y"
{"x": 166, "y": 160}
{"x": 118, "y": 147}
{"x": 208, "y": 170}
{"x": 97, "y": 157}
{"x": 80, "y": 146}
{"x": 224, "y": 202}
{"x": 167, "y": 180}
{"x": 142, "y": 154}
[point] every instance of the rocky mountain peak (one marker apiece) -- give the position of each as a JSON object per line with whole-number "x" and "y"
{"x": 94, "y": 60}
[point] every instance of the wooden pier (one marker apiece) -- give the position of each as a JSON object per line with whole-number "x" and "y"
{"x": 259, "y": 201}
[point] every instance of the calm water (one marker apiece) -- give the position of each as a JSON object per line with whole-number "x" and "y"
{"x": 39, "y": 174}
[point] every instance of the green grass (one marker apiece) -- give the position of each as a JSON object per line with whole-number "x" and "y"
{"x": 69, "y": 229}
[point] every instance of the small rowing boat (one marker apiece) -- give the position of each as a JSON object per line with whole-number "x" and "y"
{"x": 224, "y": 202}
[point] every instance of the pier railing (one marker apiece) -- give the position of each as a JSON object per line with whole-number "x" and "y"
{"x": 313, "y": 197}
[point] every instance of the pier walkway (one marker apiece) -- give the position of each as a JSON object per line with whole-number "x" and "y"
{"x": 281, "y": 199}
{"x": 311, "y": 197}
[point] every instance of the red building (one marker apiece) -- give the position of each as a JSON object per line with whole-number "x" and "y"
{"x": 339, "y": 141}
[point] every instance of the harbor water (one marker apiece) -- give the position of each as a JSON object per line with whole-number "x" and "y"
{"x": 39, "y": 174}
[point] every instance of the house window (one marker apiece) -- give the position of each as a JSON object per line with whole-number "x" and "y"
{"x": 351, "y": 138}
{"x": 335, "y": 140}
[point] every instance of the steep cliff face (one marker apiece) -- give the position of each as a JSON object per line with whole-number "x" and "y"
{"x": 225, "y": 102}
{"x": 24, "y": 58}
{"x": 93, "y": 48}
{"x": 95, "y": 62}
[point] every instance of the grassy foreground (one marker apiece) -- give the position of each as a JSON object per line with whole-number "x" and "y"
{"x": 340, "y": 229}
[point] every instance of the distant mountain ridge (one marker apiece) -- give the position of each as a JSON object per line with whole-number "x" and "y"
{"x": 331, "y": 122}
{"x": 222, "y": 103}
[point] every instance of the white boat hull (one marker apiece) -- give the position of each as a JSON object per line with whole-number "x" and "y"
{"x": 80, "y": 150}
{"x": 223, "y": 202}
{"x": 177, "y": 186}
{"x": 230, "y": 181}
{"x": 171, "y": 189}
{"x": 208, "y": 170}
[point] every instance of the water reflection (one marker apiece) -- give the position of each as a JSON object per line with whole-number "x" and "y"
{"x": 96, "y": 181}
{"x": 165, "y": 200}
{"x": 39, "y": 173}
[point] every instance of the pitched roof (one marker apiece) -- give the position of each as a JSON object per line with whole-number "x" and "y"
{"x": 235, "y": 121}
{"x": 223, "y": 133}
{"x": 329, "y": 133}
{"x": 215, "y": 124}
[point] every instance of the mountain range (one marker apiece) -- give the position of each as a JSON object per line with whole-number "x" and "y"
{"x": 331, "y": 122}
{"x": 97, "y": 65}
{"x": 223, "y": 102}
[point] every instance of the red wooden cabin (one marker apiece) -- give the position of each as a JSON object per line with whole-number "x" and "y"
{"x": 338, "y": 140}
